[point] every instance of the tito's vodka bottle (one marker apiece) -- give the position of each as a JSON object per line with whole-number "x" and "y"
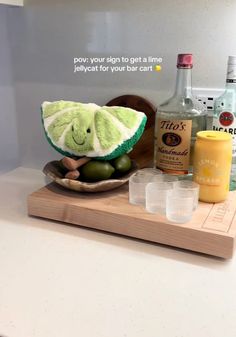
{"x": 177, "y": 122}
{"x": 224, "y": 118}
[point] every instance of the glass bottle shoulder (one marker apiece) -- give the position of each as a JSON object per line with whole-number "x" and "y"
{"x": 227, "y": 94}
{"x": 178, "y": 106}
{"x": 227, "y": 101}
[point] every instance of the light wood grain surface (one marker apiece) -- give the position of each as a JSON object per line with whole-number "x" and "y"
{"x": 212, "y": 229}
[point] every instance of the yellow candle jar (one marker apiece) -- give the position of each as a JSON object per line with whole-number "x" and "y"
{"x": 212, "y": 165}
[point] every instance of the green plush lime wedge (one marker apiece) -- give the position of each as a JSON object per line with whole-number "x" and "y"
{"x": 78, "y": 129}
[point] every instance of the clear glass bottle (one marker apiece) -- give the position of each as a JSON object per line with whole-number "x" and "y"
{"x": 224, "y": 116}
{"x": 177, "y": 122}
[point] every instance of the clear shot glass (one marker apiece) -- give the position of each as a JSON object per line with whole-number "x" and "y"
{"x": 138, "y": 183}
{"x": 150, "y": 171}
{"x": 156, "y": 193}
{"x": 179, "y": 207}
{"x": 188, "y": 188}
{"x": 165, "y": 178}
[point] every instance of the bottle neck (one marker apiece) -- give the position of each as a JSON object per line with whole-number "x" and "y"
{"x": 231, "y": 77}
{"x": 183, "y": 86}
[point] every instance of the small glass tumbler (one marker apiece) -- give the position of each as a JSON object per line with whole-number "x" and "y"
{"x": 151, "y": 174}
{"x": 138, "y": 183}
{"x": 150, "y": 171}
{"x": 179, "y": 208}
{"x": 188, "y": 188}
{"x": 165, "y": 178}
{"x": 156, "y": 193}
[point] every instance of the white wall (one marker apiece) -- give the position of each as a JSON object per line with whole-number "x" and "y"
{"x": 46, "y": 35}
{"x": 8, "y": 130}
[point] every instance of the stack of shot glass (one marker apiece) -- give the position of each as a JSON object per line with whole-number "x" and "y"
{"x": 164, "y": 194}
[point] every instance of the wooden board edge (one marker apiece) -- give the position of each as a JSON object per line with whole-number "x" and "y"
{"x": 181, "y": 237}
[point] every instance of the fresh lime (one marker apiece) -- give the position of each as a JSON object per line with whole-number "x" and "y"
{"x": 122, "y": 163}
{"x": 96, "y": 170}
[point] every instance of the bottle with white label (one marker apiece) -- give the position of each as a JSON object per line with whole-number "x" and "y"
{"x": 224, "y": 118}
{"x": 177, "y": 122}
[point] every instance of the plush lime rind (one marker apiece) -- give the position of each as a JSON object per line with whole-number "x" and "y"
{"x": 125, "y": 147}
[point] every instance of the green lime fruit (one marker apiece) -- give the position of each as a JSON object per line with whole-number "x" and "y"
{"x": 103, "y": 133}
{"x": 96, "y": 170}
{"x": 122, "y": 163}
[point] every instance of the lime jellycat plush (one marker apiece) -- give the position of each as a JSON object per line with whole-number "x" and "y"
{"x": 78, "y": 129}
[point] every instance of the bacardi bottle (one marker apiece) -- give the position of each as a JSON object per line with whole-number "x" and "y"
{"x": 224, "y": 118}
{"x": 177, "y": 122}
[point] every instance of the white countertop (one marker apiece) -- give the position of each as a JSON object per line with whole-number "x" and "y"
{"x": 65, "y": 281}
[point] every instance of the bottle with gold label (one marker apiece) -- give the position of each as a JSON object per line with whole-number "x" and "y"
{"x": 177, "y": 122}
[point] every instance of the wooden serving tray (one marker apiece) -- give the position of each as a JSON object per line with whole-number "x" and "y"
{"x": 212, "y": 229}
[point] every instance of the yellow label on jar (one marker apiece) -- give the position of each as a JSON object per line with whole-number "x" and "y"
{"x": 173, "y": 144}
{"x": 208, "y": 172}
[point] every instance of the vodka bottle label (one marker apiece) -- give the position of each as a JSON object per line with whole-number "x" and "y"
{"x": 173, "y": 144}
{"x": 226, "y": 122}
